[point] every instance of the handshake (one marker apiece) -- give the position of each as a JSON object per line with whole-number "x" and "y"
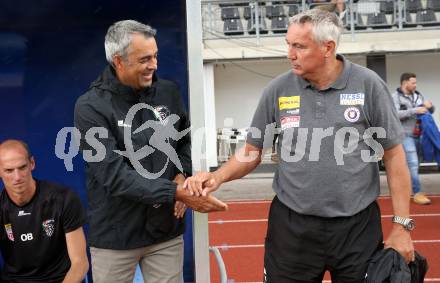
{"x": 194, "y": 192}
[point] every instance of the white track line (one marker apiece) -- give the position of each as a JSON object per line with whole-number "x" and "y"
{"x": 415, "y": 215}
{"x": 249, "y": 202}
{"x": 220, "y": 221}
{"x": 236, "y": 221}
{"x": 426, "y": 241}
{"x": 227, "y": 247}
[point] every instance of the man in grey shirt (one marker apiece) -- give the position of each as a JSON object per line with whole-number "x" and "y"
{"x": 409, "y": 103}
{"x": 333, "y": 118}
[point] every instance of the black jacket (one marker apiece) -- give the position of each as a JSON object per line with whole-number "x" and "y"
{"x": 388, "y": 266}
{"x": 125, "y": 209}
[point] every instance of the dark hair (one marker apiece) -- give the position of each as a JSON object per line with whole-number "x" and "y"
{"x": 406, "y": 77}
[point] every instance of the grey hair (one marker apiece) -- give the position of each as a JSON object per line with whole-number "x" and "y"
{"x": 118, "y": 37}
{"x": 325, "y": 25}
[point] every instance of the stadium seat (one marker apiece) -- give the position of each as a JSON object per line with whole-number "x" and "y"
{"x": 433, "y": 5}
{"x": 357, "y": 21}
{"x": 387, "y": 6}
{"x": 293, "y": 10}
{"x": 426, "y": 18}
{"x": 233, "y": 27}
{"x": 226, "y": 5}
{"x": 377, "y": 20}
{"x": 230, "y": 13}
{"x": 244, "y": 4}
{"x": 275, "y": 11}
{"x": 318, "y": 1}
{"x": 252, "y": 27}
{"x": 241, "y": 4}
{"x": 285, "y": 2}
{"x": 250, "y": 12}
{"x": 407, "y": 21}
{"x": 279, "y": 24}
{"x": 413, "y": 6}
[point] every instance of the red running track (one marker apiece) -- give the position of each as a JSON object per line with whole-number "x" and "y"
{"x": 239, "y": 234}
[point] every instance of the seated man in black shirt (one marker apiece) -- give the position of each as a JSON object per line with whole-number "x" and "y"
{"x": 41, "y": 235}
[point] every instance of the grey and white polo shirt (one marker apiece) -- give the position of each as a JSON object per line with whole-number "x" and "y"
{"x": 327, "y": 149}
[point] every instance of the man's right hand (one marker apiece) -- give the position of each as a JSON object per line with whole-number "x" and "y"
{"x": 202, "y": 184}
{"x": 200, "y": 203}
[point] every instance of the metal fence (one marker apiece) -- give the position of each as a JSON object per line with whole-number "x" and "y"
{"x": 257, "y": 18}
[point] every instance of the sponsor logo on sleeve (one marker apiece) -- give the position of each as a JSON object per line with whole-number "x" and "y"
{"x": 8, "y": 229}
{"x": 352, "y": 114}
{"x": 290, "y": 122}
{"x": 352, "y": 98}
{"x": 288, "y": 102}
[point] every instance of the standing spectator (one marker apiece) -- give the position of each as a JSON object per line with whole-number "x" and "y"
{"x": 410, "y": 103}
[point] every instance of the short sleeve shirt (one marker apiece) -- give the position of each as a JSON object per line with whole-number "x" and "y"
{"x": 32, "y": 237}
{"x": 328, "y": 140}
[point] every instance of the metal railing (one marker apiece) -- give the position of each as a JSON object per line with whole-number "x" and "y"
{"x": 220, "y": 263}
{"x": 238, "y": 18}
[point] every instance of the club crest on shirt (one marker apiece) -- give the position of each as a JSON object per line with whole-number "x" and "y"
{"x": 8, "y": 229}
{"x": 48, "y": 227}
{"x": 352, "y": 114}
{"x": 161, "y": 112}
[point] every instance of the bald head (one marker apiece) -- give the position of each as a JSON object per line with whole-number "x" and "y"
{"x": 17, "y": 145}
{"x": 16, "y": 165}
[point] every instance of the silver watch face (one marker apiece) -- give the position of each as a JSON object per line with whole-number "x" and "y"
{"x": 410, "y": 225}
{"x": 407, "y": 223}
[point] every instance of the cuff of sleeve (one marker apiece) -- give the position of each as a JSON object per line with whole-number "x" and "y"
{"x": 170, "y": 193}
{"x": 393, "y": 142}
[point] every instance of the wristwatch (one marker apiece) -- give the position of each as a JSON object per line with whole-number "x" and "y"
{"x": 407, "y": 223}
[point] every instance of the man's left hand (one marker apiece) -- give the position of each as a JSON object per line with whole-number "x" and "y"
{"x": 179, "y": 209}
{"x": 400, "y": 240}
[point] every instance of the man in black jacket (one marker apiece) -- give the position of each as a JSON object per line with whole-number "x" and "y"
{"x": 136, "y": 198}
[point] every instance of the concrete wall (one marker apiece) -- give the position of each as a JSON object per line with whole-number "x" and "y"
{"x": 238, "y": 85}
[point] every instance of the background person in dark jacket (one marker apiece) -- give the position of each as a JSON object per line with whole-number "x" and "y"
{"x": 135, "y": 191}
{"x": 409, "y": 102}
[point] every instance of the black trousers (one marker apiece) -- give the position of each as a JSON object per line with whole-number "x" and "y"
{"x": 300, "y": 248}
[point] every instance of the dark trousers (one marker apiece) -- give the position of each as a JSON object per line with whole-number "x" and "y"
{"x": 300, "y": 248}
